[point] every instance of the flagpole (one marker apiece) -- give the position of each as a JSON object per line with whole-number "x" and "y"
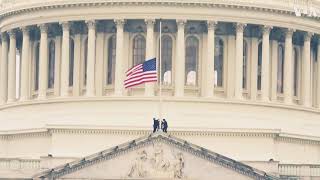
{"x": 160, "y": 73}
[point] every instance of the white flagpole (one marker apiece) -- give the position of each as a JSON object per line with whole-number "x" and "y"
{"x": 160, "y": 78}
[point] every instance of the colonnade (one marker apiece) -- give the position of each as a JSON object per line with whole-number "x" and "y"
{"x": 62, "y": 62}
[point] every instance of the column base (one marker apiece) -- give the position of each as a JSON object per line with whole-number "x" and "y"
{"x": 11, "y": 100}
{"x": 41, "y": 97}
{"x": 23, "y": 99}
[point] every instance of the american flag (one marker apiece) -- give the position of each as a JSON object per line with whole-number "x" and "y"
{"x": 141, "y": 73}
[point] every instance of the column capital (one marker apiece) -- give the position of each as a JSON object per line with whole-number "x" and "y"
{"x": 119, "y": 22}
{"x": 266, "y": 29}
{"x": 43, "y": 28}
{"x": 150, "y": 22}
{"x": 308, "y": 36}
{"x": 25, "y": 30}
{"x": 240, "y": 27}
{"x": 65, "y": 26}
{"x": 12, "y": 34}
{"x": 289, "y": 32}
{"x": 91, "y": 24}
{"x": 212, "y": 25}
{"x": 4, "y": 37}
{"x": 181, "y": 23}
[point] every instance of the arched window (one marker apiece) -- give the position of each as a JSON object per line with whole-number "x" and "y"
{"x": 192, "y": 56}
{"x": 280, "y": 69}
{"x": 166, "y": 59}
{"x": 245, "y": 65}
{"x": 259, "y": 66}
{"x": 295, "y": 72}
{"x": 139, "y": 49}
{"x": 218, "y": 63}
{"x": 51, "y": 64}
{"x": 36, "y": 66}
{"x": 111, "y": 59}
{"x": 71, "y": 62}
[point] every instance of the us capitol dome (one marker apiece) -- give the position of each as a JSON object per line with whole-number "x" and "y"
{"x": 240, "y": 89}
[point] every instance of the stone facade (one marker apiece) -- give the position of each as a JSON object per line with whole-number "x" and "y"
{"x": 239, "y": 78}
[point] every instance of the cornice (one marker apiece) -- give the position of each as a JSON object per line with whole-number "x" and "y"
{"x": 165, "y": 99}
{"x": 6, "y": 12}
{"x": 248, "y": 133}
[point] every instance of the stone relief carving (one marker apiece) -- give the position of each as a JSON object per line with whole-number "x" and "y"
{"x": 158, "y": 162}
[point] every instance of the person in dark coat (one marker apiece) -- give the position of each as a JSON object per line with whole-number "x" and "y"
{"x": 155, "y": 125}
{"x": 158, "y": 124}
{"x": 164, "y": 125}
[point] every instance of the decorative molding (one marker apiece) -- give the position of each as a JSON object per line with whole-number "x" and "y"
{"x": 25, "y": 30}
{"x": 4, "y": 37}
{"x": 308, "y": 36}
{"x": 12, "y": 34}
{"x": 289, "y": 32}
{"x": 43, "y": 28}
{"x": 150, "y": 22}
{"x": 240, "y": 27}
{"x": 181, "y": 23}
{"x": 65, "y": 26}
{"x": 274, "y": 134}
{"x": 150, "y": 140}
{"x": 266, "y": 29}
{"x": 91, "y": 24}
{"x": 119, "y": 23}
{"x": 212, "y": 25}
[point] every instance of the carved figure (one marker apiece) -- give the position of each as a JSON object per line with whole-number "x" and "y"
{"x": 138, "y": 169}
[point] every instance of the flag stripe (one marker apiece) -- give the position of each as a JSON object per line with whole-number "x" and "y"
{"x": 141, "y": 73}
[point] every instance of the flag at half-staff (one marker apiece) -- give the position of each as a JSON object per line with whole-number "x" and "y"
{"x": 141, "y": 73}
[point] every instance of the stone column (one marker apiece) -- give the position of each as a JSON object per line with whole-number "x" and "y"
{"x": 57, "y": 66}
{"x": 210, "y": 59}
{"x": 180, "y": 59}
{"x": 25, "y": 62}
{"x": 306, "y": 88}
{"x": 65, "y": 59}
{"x": 12, "y": 67}
{"x": 265, "y": 73}
{"x": 119, "y": 70}
{"x": 4, "y": 69}
{"x": 254, "y": 68}
{"x": 149, "y": 87}
{"x": 288, "y": 68}
{"x": 274, "y": 69}
{"x": 77, "y": 65}
{"x": 318, "y": 75}
{"x": 91, "y": 57}
{"x": 99, "y": 73}
{"x": 239, "y": 61}
{"x": 43, "y": 62}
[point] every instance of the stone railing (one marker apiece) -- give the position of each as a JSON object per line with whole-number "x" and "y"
{"x": 299, "y": 170}
{"x": 19, "y": 164}
{"x": 287, "y": 5}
